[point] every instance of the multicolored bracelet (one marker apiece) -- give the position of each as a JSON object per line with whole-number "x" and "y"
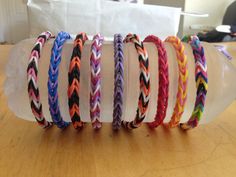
{"x": 182, "y": 81}
{"x": 32, "y": 78}
{"x": 201, "y": 82}
{"x": 163, "y": 89}
{"x": 144, "y": 79}
{"x": 95, "y": 92}
{"x": 74, "y": 81}
{"x": 118, "y": 81}
{"x": 53, "y": 72}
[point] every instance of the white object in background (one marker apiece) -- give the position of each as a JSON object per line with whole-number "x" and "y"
{"x": 106, "y": 17}
{"x": 221, "y": 77}
{"x": 224, "y": 28}
{"x": 195, "y": 14}
{"x": 201, "y": 27}
{"x": 130, "y": 1}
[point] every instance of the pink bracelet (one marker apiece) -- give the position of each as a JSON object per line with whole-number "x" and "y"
{"x": 163, "y": 75}
{"x": 32, "y": 77}
{"x": 95, "y": 92}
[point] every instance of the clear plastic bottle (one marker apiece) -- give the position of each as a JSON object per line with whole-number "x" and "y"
{"x": 221, "y": 78}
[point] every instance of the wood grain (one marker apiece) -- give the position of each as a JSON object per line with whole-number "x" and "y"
{"x": 28, "y": 151}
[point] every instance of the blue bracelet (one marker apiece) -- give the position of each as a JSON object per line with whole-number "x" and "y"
{"x": 53, "y": 72}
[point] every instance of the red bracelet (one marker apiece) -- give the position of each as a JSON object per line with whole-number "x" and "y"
{"x": 163, "y": 75}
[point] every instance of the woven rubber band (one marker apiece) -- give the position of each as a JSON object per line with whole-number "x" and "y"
{"x": 201, "y": 82}
{"x": 95, "y": 91}
{"x": 53, "y": 72}
{"x": 118, "y": 81}
{"x": 74, "y": 81}
{"x": 32, "y": 78}
{"x": 144, "y": 79}
{"x": 163, "y": 76}
{"x": 182, "y": 81}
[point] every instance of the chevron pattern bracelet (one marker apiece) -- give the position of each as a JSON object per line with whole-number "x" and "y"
{"x": 95, "y": 92}
{"x": 118, "y": 81}
{"x": 201, "y": 82}
{"x": 182, "y": 81}
{"x": 53, "y": 72}
{"x": 163, "y": 90}
{"x": 32, "y": 78}
{"x": 74, "y": 81}
{"x": 144, "y": 79}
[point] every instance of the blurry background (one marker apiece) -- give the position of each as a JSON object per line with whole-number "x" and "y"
{"x": 14, "y": 20}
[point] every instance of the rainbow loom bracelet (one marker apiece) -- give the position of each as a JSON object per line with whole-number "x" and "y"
{"x": 53, "y": 72}
{"x": 201, "y": 82}
{"x": 32, "y": 78}
{"x": 118, "y": 81}
{"x": 163, "y": 89}
{"x": 182, "y": 81}
{"x": 74, "y": 81}
{"x": 144, "y": 78}
{"x": 95, "y": 91}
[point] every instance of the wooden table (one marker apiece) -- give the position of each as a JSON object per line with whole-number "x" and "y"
{"x": 28, "y": 151}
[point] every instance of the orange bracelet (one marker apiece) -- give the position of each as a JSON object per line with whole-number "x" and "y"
{"x": 74, "y": 81}
{"x": 144, "y": 80}
{"x": 182, "y": 81}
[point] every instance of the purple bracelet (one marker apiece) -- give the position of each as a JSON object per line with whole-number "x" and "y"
{"x": 118, "y": 81}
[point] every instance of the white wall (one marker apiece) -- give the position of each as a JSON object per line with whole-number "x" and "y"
{"x": 172, "y": 3}
{"x": 215, "y": 9}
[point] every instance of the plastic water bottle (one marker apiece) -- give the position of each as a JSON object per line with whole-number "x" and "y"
{"x": 221, "y": 81}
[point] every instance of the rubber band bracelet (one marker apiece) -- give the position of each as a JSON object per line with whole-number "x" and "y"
{"x": 118, "y": 81}
{"x": 201, "y": 82}
{"x": 95, "y": 92}
{"x": 163, "y": 75}
{"x": 74, "y": 81}
{"x": 32, "y": 78}
{"x": 144, "y": 79}
{"x": 53, "y": 72}
{"x": 182, "y": 81}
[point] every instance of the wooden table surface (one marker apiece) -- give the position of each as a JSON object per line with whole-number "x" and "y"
{"x": 28, "y": 151}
